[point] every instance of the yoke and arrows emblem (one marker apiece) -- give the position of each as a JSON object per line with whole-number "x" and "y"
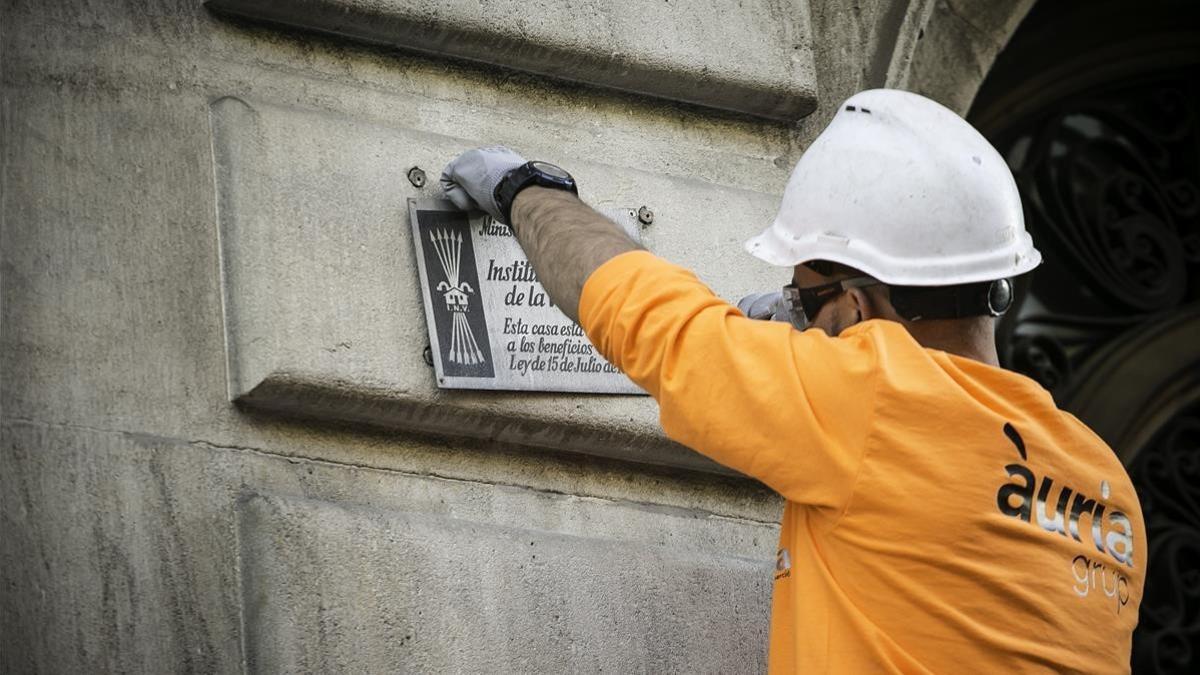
{"x": 463, "y": 347}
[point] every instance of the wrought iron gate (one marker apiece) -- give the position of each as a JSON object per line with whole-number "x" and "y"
{"x": 1095, "y": 106}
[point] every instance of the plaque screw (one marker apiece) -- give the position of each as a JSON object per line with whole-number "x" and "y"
{"x": 416, "y": 176}
{"x": 645, "y": 216}
{"x": 428, "y": 355}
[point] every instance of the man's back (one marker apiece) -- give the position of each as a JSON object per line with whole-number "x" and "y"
{"x": 985, "y": 527}
{"x": 942, "y": 514}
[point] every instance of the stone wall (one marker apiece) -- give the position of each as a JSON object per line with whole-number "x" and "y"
{"x": 220, "y": 446}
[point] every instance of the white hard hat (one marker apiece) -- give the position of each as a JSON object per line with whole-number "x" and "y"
{"x": 906, "y": 191}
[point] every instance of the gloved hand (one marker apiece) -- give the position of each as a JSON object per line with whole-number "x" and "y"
{"x": 766, "y": 306}
{"x": 470, "y": 179}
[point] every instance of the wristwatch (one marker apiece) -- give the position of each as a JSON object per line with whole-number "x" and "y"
{"x": 544, "y": 174}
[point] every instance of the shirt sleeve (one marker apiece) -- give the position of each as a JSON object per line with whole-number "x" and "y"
{"x": 790, "y": 408}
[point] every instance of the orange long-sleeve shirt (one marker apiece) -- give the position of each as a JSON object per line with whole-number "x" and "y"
{"x": 942, "y": 515}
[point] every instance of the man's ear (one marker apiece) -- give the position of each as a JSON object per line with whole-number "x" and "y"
{"x": 863, "y": 304}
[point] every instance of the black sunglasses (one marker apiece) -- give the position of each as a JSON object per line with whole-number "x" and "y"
{"x": 803, "y": 304}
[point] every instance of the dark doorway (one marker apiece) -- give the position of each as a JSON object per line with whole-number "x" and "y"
{"x": 1096, "y": 106}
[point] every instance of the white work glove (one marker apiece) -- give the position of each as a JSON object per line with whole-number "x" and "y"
{"x": 470, "y": 179}
{"x": 766, "y": 306}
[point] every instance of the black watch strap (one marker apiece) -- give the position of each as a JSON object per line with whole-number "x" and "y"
{"x": 543, "y": 174}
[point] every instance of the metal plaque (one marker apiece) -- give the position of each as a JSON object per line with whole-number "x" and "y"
{"x": 491, "y": 324}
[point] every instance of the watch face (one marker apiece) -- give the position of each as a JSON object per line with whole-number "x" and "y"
{"x": 551, "y": 170}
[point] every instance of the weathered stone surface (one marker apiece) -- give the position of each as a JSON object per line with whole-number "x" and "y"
{"x": 957, "y": 46}
{"x": 112, "y": 289}
{"x": 122, "y": 459}
{"x": 133, "y": 553}
{"x": 402, "y": 588}
{"x": 115, "y": 555}
{"x": 113, "y": 297}
{"x": 755, "y": 60}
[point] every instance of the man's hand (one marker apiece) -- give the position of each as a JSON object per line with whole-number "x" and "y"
{"x": 470, "y": 179}
{"x": 564, "y": 239}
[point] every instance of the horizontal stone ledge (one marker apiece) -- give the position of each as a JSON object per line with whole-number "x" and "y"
{"x": 754, "y": 58}
{"x": 541, "y": 421}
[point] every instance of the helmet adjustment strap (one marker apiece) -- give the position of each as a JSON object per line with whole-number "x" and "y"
{"x": 984, "y": 298}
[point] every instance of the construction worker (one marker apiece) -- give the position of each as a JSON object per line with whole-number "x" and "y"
{"x": 941, "y": 514}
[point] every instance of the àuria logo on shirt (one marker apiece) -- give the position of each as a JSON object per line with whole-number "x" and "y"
{"x": 1075, "y": 515}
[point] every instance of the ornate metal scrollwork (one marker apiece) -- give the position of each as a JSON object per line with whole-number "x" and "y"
{"x": 1110, "y": 179}
{"x": 1110, "y": 184}
{"x": 1167, "y": 475}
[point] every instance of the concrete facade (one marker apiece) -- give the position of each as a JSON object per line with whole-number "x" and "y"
{"x": 220, "y": 447}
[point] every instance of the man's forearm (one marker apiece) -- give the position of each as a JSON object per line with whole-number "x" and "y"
{"x": 565, "y": 240}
